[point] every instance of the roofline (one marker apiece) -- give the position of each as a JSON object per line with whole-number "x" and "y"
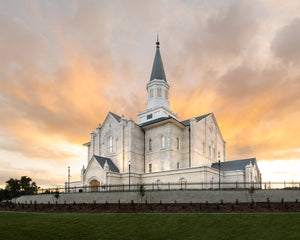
{"x": 242, "y": 159}
{"x": 87, "y": 144}
{"x": 169, "y": 119}
{"x": 206, "y": 115}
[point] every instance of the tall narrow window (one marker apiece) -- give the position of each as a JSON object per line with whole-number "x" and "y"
{"x": 203, "y": 145}
{"x": 110, "y": 144}
{"x": 150, "y": 144}
{"x": 177, "y": 143}
{"x": 151, "y": 93}
{"x": 214, "y": 152}
{"x": 163, "y": 142}
{"x": 177, "y": 165}
{"x": 159, "y": 92}
{"x": 150, "y": 167}
{"x": 209, "y": 151}
{"x": 162, "y": 166}
{"x": 166, "y": 94}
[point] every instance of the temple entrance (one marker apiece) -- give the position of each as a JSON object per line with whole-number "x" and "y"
{"x": 95, "y": 184}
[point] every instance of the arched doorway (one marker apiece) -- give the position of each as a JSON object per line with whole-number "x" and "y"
{"x": 94, "y": 184}
{"x": 182, "y": 183}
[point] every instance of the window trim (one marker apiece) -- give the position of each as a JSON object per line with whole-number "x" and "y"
{"x": 110, "y": 144}
{"x": 159, "y": 92}
{"x": 163, "y": 142}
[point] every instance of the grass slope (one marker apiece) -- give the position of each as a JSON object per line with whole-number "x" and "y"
{"x": 149, "y": 226}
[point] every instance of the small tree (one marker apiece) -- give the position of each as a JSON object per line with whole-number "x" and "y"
{"x": 56, "y": 194}
{"x": 142, "y": 191}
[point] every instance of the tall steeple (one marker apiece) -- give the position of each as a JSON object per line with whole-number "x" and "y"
{"x": 158, "y": 104}
{"x": 158, "y": 71}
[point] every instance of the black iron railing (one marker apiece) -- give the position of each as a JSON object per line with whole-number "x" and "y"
{"x": 172, "y": 186}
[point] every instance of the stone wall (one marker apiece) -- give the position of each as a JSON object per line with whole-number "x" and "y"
{"x": 180, "y": 196}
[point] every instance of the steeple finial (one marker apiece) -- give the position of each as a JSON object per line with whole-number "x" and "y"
{"x": 157, "y": 41}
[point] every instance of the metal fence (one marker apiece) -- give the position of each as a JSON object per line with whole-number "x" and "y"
{"x": 173, "y": 186}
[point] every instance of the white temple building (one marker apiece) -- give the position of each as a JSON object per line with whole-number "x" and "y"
{"x": 160, "y": 148}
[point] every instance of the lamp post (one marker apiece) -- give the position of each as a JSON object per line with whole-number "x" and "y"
{"x": 129, "y": 163}
{"x": 219, "y": 170}
{"x": 69, "y": 179}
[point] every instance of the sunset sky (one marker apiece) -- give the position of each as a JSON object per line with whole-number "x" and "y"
{"x": 65, "y": 64}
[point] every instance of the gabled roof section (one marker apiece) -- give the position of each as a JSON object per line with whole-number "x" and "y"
{"x": 154, "y": 121}
{"x": 187, "y": 122}
{"x": 117, "y": 117}
{"x": 158, "y": 71}
{"x": 111, "y": 165}
{"x": 234, "y": 165}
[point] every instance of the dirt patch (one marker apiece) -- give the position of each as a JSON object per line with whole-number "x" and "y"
{"x": 259, "y": 207}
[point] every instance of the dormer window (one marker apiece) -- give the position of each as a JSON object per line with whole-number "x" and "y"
{"x": 159, "y": 92}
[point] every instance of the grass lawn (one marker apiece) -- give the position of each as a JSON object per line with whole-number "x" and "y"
{"x": 149, "y": 226}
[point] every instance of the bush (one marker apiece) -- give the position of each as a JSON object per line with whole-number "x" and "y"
{"x": 142, "y": 190}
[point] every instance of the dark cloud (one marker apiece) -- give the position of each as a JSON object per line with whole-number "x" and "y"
{"x": 286, "y": 43}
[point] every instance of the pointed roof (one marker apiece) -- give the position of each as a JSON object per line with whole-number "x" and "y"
{"x": 158, "y": 71}
{"x": 234, "y": 165}
{"x": 187, "y": 122}
{"x": 117, "y": 117}
{"x": 111, "y": 165}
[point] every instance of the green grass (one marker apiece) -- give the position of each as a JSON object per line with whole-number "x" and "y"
{"x": 149, "y": 226}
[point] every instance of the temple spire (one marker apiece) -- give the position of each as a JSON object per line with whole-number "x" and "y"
{"x": 158, "y": 71}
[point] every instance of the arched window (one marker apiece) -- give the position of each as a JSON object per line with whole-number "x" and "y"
{"x": 150, "y": 144}
{"x": 110, "y": 144}
{"x": 162, "y": 166}
{"x": 182, "y": 183}
{"x": 166, "y": 94}
{"x": 151, "y": 93}
{"x": 159, "y": 92}
{"x": 163, "y": 142}
{"x": 177, "y": 143}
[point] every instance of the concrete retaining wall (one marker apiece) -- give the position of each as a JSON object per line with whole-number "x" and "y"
{"x": 186, "y": 196}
